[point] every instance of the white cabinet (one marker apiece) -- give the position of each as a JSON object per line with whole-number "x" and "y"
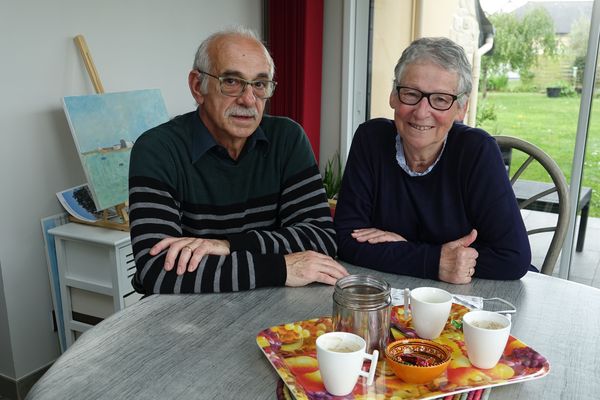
{"x": 95, "y": 266}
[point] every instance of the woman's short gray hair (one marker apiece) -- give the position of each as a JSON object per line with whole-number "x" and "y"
{"x": 443, "y": 52}
{"x": 202, "y": 59}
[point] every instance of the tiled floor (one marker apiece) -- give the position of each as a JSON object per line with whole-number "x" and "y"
{"x": 585, "y": 267}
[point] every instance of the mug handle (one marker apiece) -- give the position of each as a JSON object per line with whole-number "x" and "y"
{"x": 406, "y": 302}
{"x": 371, "y": 374}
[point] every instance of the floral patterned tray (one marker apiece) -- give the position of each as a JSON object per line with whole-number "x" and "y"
{"x": 290, "y": 348}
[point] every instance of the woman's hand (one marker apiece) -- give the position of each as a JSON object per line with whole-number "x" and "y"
{"x": 190, "y": 251}
{"x": 458, "y": 260}
{"x": 374, "y": 235}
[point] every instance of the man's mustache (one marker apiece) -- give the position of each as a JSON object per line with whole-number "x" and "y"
{"x": 241, "y": 112}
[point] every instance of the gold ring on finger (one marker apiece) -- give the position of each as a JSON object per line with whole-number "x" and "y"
{"x": 189, "y": 248}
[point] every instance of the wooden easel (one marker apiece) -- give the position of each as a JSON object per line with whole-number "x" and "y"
{"x": 122, "y": 221}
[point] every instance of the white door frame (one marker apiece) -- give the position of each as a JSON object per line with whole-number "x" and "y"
{"x": 355, "y": 51}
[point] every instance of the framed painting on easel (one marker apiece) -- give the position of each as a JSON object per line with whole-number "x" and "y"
{"x": 104, "y": 128}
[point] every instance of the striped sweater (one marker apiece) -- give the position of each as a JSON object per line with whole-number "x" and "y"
{"x": 268, "y": 203}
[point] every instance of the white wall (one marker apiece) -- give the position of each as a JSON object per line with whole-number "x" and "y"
{"x": 392, "y": 33}
{"x": 135, "y": 44}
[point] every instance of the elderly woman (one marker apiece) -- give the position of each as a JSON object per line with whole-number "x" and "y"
{"x": 425, "y": 195}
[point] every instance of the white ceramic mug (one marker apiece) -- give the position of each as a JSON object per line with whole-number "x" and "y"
{"x": 341, "y": 356}
{"x": 430, "y": 309}
{"x": 486, "y": 334}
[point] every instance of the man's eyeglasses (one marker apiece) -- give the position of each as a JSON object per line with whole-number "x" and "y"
{"x": 234, "y": 87}
{"x": 437, "y": 101}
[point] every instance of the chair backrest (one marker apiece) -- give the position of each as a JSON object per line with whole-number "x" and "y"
{"x": 534, "y": 153}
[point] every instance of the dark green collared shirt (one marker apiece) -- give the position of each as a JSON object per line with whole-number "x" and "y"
{"x": 268, "y": 203}
{"x": 203, "y": 141}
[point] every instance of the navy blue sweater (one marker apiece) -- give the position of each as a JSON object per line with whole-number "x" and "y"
{"x": 468, "y": 188}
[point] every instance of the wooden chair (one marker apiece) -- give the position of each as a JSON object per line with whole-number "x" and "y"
{"x": 558, "y": 187}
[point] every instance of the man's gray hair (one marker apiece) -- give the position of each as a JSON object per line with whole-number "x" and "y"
{"x": 202, "y": 59}
{"x": 442, "y": 52}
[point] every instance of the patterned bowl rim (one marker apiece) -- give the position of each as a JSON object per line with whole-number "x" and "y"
{"x": 442, "y": 352}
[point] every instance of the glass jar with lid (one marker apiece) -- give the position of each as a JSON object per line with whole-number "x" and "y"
{"x": 362, "y": 305}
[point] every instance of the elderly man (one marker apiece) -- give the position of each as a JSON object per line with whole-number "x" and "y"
{"x": 224, "y": 198}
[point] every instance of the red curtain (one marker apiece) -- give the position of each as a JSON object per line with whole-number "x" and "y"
{"x": 296, "y": 44}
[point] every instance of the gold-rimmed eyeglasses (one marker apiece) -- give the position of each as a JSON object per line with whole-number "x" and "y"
{"x": 234, "y": 87}
{"x": 437, "y": 101}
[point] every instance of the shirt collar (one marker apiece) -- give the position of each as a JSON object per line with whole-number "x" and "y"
{"x": 401, "y": 158}
{"x": 203, "y": 141}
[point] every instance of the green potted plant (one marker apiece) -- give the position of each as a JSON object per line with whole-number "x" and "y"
{"x": 560, "y": 89}
{"x": 332, "y": 180}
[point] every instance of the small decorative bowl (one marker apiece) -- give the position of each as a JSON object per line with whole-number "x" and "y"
{"x": 417, "y": 360}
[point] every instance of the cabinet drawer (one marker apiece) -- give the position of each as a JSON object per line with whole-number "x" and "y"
{"x": 88, "y": 262}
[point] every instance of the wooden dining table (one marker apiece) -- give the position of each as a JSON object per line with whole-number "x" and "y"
{"x": 204, "y": 346}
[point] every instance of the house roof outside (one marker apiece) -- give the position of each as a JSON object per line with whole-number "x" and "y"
{"x": 563, "y": 13}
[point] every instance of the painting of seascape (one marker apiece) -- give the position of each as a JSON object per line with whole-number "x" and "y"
{"x": 104, "y": 128}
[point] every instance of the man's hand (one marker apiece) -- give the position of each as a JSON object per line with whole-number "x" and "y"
{"x": 374, "y": 235}
{"x": 309, "y": 266}
{"x": 190, "y": 251}
{"x": 458, "y": 260}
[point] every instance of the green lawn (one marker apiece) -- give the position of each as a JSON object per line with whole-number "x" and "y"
{"x": 550, "y": 123}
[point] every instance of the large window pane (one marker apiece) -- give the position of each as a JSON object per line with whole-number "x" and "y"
{"x": 537, "y": 101}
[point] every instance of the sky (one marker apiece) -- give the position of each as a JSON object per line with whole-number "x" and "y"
{"x": 492, "y": 6}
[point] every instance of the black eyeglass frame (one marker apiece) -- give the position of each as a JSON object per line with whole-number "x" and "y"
{"x": 427, "y": 96}
{"x": 245, "y": 84}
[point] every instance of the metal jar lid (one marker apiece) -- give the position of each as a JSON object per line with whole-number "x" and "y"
{"x": 362, "y": 292}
